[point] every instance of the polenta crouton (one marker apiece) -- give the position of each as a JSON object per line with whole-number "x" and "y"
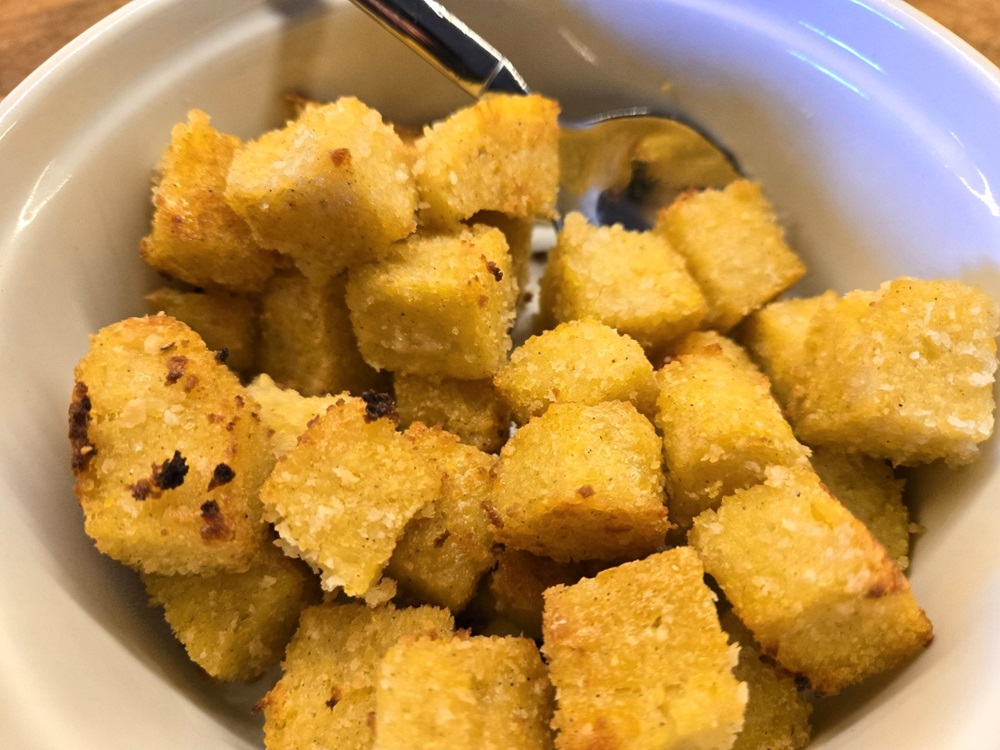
{"x": 470, "y": 409}
{"x": 285, "y": 412}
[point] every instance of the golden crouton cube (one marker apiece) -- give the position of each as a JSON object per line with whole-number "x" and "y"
{"x": 776, "y": 337}
{"x": 440, "y": 305}
{"x": 471, "y": 409}
{"x": 168, "y": 451}
{"x": 711, "y": 343}
{"x": 734, "y": 248}
{"x": 582, "y": 483}
{"x": 326, "y": 695}
{"x": 464, "y": 692}
{"x": 196, "y": 237}
{"x": 819, "y": 592}
{"x": 285, "y": 412}
{"x": 223, "y": 320}
{"x": 632, "y": 281}
{"x": 721, "y": 428}
{"x": 500, "y": 154}
{"x": 868, "y": 488}
{"x": 519, "y": 234}
{"x": 235, "y": 626}
{"x": 330, "y": 189}
{"x": 342, "y": 496}
{"x": 638, "y": 659}
{"x": 777, "y": 714}
{"x": 904, "y": 373}
{"x": 440, "y": 558}
{"x": 582, "y": 361}
{"x": 306, "y": 339}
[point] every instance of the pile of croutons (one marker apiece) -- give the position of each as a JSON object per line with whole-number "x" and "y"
{"x": 324, "y": 450}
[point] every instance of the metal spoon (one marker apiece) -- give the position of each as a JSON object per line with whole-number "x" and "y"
{"x": 617, "y": 167}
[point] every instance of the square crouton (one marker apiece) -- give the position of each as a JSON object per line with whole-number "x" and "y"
{"x": 904, "y": 373}
{"x": 819, "y": 592}
{"x": 582, "y": 483}
{"x": 577, "y": 362}
{"x": 343, "y": 495}
{"x": 330, "y": 189}
{"x": 638, "y": 659}
{"x": 470, "y": 409}
{"x": 721, "y": 428}
{"x": 285, "y": 412}
{"x": 196, "y": 237}
{"x": 306, "y": 340}
{"x": 632, "y": 281}
{"x": 439, "y": 306}
{"x": 168, "y": 451}
{"x": 711, "y": 343}
{"x": 440, "y": 558}
{"x": 463, "y": 692}
{"x": 235, "y": 626}
{"x": 326, "y": 694}
{"x": 734, "y": 248}
{"x": 500, "y": 154}
{"x": 223, "y": 320}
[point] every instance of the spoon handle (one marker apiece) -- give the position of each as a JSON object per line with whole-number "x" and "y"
{"x": 452, "y": 47}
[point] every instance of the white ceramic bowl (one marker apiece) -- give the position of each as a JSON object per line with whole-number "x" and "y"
{"x": 873, "y": 130}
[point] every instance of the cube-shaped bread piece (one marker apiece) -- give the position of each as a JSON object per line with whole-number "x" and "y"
{"x": 235, "y": 626}
{"x": 519, "y": 233}
{"x": 904, "y": 373}
{"x": 582, "y": 483}
{"x": 500, "y": 154}
{"x": 638, "y": 659}
{"x": 471, "y": 409}
{"x": 168, "y": 451}
{"x": 330, "y": 189}
{"x": 711, "y": 343}
{"x": 870, "y": 490}
{"x": 326, "y": 695}
{"x": 306, "y": 339}
{"x": 721, "y": 429}
{"x": 632, "y": 281}
{"x": 734, "y": 248}
{"x": 819, "y": 592}
{"x": 441, "y": 557}
{"x": 464, "y": 692}
{"x": 285, "y": 412}
{"x": 581, "y": 361}
{"x": 343, "y": 495}
{"x": 196, "y": 237}
{"x": 440, "y": 305}
{"x": 777, "y": 714}
{"x": 776, "y": 337}
{"x": 223, "y": 320}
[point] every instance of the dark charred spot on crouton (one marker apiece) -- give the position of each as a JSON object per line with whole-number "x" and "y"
{"x": 492, "y": 514}
{"x": 439, "y": 542}
{"x": 175, "y": 368}
{"x": 585, "y": 491}
{"x": 370, "y": 720}
{"x": 335, "y": 696}
{"x": 222, "y": 474}
{"x": 222, "y": 355}
{"x": 493, "y": 268}
{"x": 240, "y": 402}
{"x": 168, "y": 347}
{"x": 214, "y": 526}
{"x": 142, "y": 489}
{"x": 170, "y": 474}
{"x": 379, "y": 405}
{"x": 79, "y": 424}
{"x": 340, "y": 157}
{"x": 190, "y": 382}
{"x": 802, "y": 682}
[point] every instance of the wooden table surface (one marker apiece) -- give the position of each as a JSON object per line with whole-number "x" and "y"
{"x": 31, "y": 30}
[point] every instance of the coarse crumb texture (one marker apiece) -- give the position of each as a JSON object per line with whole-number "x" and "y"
{"x": 330, "y": 189}
{"x": 235, "y": 626}
{"x": 500, "y": 154}
{"x": 581, "y": 361}
{"x": 870, "y": 490}
{"x": 441, "y": 305}
{"x": 222, "y": 319}
{"x": 734, "y": 248}
{"x": 904, "y": 373}
{"x": 325, "y": 698}
{"x": 582, "y": 483}
{"x": 285, "y": 412}
{"x": 777, "y": 715}
{"x": 776, "y": 337}
{"x": 440, "y": 557}
{"x": 819, "y": 592}
{"x": 519, "y": 234}
{"x": 464, "y": 692}
{"x": 721, "y": 428}
{"x": 470, "y": 409}
{"x": 634, "y": 282}
{"x": 638, "y": 659}
{"x": 168, "y": 451}
{"x": 306, "y": 341}
{"x": 196, "y": 237}
{"x": 712, "y": 343}
{"x": 343, "y": 495}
